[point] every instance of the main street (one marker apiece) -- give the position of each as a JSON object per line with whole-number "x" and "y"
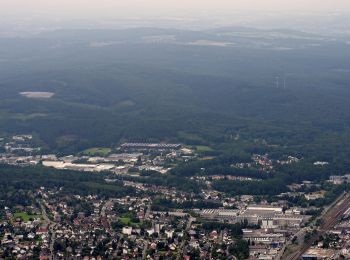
{"x": 182, "y": 246}
{"x": 51, "y": 225}
{"x": 147, "y": 213}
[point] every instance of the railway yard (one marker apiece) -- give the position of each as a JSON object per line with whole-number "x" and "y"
{"x": 326, "y": 223}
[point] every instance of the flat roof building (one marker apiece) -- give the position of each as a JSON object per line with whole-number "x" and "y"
{"x": 157, "y": 146}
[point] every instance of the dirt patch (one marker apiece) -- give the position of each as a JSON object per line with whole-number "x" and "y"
{"x": 37, "y": 94}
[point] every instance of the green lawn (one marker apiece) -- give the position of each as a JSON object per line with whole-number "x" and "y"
{"x": 25, "y": 217}
{"x": 97, "y": 151}
{"x": 203, "y": 149}
{"x": 125, "y": 221}
{"x": 206, "y": 158}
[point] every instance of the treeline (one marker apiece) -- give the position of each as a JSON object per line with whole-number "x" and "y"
{"x": 267, "y": 187}
{"x": 332, "y": 193}
{"x": 161, "y": 204}
{"x": 167, "y": 180}
{"x": 10, "y": 196}
{"x": 30, "y": 178}
{"x": 235, "y": 230}
{"x": 218, "y": 166}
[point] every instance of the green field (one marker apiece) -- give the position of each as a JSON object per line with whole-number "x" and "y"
{"x": 97, "y": 151}
{"x": 125, "y": 221}
{"x": 203, "y": 149}
{"x": 25, "y": 217}
{"x": 206, "y": 158}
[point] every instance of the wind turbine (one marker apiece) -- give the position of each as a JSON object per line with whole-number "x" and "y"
{"x": 277, "y": 82}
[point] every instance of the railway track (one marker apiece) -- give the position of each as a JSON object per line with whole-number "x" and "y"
{"x": 328, "y": 221}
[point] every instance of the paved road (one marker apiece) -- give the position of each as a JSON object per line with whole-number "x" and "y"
{"x": 51, "y": 226}
{"x": 181, "y": 249}
{"x": 144, "y": 251}
{"x": 147, "y": 213}
{"x": 148, "y": 210}
{"x": 106, "y": 205}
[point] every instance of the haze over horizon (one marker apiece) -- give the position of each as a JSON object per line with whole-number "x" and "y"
{"x": 149, "y": 8}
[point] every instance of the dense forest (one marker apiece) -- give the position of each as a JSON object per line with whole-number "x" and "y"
{"x": 15, "y": 182}
{"x": 285, "y": 88}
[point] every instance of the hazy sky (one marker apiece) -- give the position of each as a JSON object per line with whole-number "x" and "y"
{"x": 98, "y": 8}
